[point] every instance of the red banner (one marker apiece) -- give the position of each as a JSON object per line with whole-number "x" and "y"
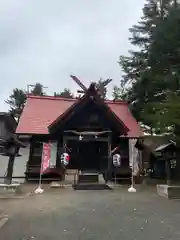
{"x": 46, "y": 156}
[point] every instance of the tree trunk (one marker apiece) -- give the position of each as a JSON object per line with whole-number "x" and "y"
{"x": 9, "y": 174}
{"x": 161, "y": 9}
{"x": 175, "y": 3}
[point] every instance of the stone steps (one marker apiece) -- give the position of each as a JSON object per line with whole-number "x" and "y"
{"x": 91, "y": 186}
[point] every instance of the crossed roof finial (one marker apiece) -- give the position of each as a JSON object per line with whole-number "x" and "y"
{"x": 99, "y": 87}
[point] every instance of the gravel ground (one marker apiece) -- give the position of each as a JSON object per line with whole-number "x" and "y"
{"x": 67, "y": 214}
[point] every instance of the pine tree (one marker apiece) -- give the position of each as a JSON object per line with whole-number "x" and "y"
{"x": 66, "y": 93}
{"x": 164, "y": 57}
{"x": 102, "y": 88}
{"x": 18, "y": 98}
{"x": 136, "y": 63}
{"x": 16, "y": 102}
{"x": 37, "y": 90}
{"x": 146, "y": 84}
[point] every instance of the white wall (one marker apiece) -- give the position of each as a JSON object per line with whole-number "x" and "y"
{"x": 5, "y": 133}
{"x": 19, "y": 164}
{"x": 53, "y": 153}
{"x": 3, "y": 166}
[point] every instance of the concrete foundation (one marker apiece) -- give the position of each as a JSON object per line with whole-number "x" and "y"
{"x": 10, "y": 188}
{"x": 170, "y": 192}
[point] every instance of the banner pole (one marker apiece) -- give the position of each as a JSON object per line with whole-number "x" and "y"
{"x": 40, "y": 190}
{"x": 40, "y": 176}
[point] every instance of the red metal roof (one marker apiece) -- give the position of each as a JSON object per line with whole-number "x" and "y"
{"x": 40, "y": 111}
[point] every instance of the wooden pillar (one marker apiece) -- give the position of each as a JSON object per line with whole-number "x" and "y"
{"x": 28, "y": 163}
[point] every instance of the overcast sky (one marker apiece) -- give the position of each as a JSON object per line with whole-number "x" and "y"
{"x": 46, "y": 41}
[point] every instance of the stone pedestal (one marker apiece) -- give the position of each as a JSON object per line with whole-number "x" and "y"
{"x": 171, "y": 192}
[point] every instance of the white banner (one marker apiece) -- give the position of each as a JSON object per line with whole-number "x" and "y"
{"x": 53, "y": 154}
{"x": 133, "y": 156}
{"x": 46, "y": 156}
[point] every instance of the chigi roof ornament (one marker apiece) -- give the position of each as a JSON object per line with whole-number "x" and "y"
{"x": 98, "y": 87}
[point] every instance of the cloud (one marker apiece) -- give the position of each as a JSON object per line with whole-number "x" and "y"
{"x": 46, "y": 41}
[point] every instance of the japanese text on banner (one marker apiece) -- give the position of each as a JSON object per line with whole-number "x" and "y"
{"x": 46, "y": 156}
